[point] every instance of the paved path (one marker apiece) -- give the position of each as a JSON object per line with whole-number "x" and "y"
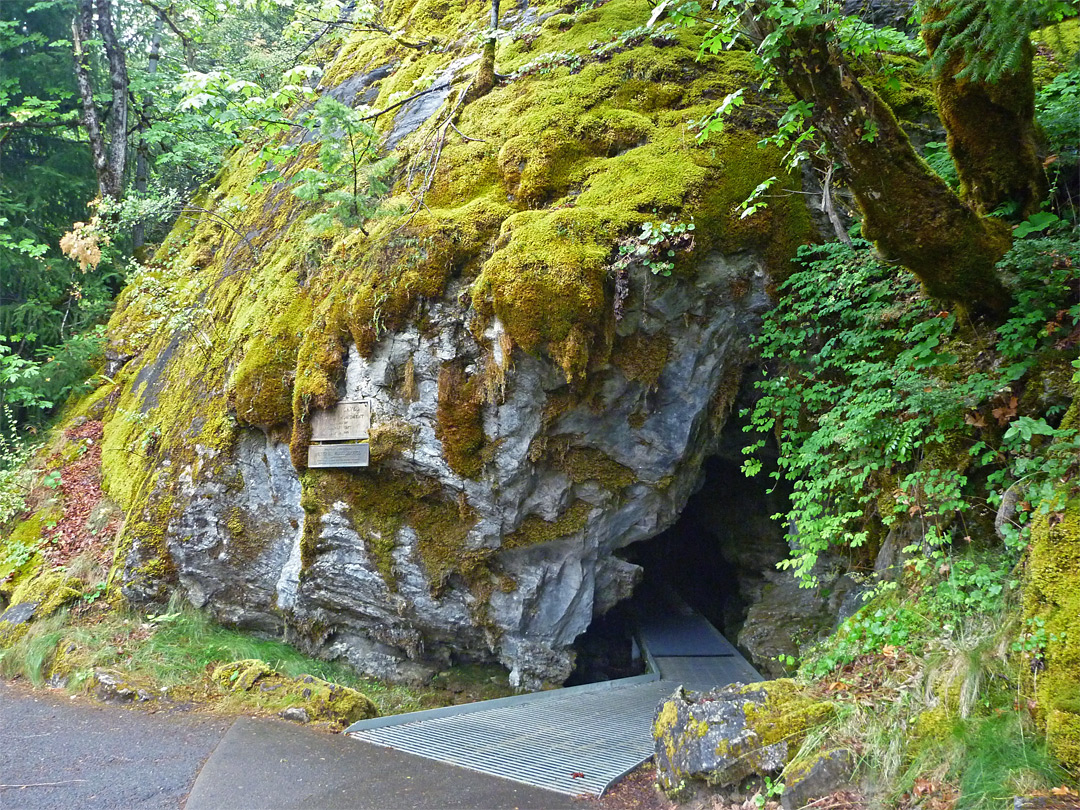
{"x": 62, "y": 754}
{"x": 78, "y": 755}
{"x": 273, "y": 764}
{"x": 578, "y": 740}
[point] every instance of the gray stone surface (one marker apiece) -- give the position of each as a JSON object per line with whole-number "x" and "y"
{"x": 237, "y": 523}
{"x": 830, "y": 771}
{"x": 20, "y": 613}
{"x": 295, "y": 714}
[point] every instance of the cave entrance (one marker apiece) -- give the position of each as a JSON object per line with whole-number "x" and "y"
{"x": 714, "y": 558}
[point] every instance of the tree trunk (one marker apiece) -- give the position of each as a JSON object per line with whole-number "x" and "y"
{"x": 991, "y": 127}
{"x": 909, "y": 212}
{"x": 485, "y": 74}
{"x": 142, "y": 158}
{"x": 108, "y": 148}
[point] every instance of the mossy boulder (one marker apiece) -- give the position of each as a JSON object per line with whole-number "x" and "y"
{"x": 321, "y": 700}
{"x": 522, "y": 433}
{"x": 37, "y": 597}
{"x": 727, "y": 735}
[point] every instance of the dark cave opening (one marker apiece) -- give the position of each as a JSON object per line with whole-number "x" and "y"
{"x": 715, "y": 558}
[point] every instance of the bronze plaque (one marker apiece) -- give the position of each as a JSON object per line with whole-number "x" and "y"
{"x": 337, "y": 455}
{"x": 346, "y": 420}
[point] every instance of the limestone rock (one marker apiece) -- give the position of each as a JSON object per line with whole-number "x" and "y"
{"x": 820, "y": 775}
{"x": 109, "y": 687}
{"x": 522, "y": 433}
{"x": 788, "y": 617}
{"x": 296, "y": 714}
{"x": 726, "y": 735}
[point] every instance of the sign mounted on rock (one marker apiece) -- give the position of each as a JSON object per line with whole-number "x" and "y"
{"x": 339, "y": 435}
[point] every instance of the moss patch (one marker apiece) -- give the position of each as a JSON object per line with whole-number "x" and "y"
{"x": 1051, "y": 595}
{"x": 642, "y": 357}
{"x": 459, "y": 419}
{"x": 323, "y": 701}
{"x": 534, "y": 529}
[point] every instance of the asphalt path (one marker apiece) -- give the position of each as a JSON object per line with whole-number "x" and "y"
{"x": 75, "y": 754}
{"x": 56, "y": 752}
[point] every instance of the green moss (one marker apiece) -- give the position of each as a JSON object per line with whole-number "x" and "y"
{"x": 1051, "y": 595}
{"x": 324, "y": 701}
{"x": 391, "y": 438}
{"x": 227, "y": 331}
{"x": 642, "y": 357}
{"x": 787, "y": 713}
{"x": 19, "y": 551}
{"x": 534, "y": 529}
{"x": 49, "y": 590}
{"x": 459, "y": 423}
{"x": 261, "y": 386}
{"x": 902, "y": 82}
{"x": 589, "y": 464}
{"x": 240, "y": 675}
{"x": 667, "y": 718}
{"x": 382, "y": 504}
{"x": 1055, "y": 47}
{"x": 247, "y": 539}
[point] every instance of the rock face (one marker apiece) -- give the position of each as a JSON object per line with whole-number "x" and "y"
{"x": 522, "y": 432}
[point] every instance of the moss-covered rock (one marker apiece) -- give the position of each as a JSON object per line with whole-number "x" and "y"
{"x": 724, "y": 736}
{"x": 1052, "y": 599}
{"x": 321, "y": 700}
{"x": 37, "y": 597}
{"x": 481, "y": 326}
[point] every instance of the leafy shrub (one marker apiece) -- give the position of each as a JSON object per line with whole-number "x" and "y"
{"x": 878, "y": 398}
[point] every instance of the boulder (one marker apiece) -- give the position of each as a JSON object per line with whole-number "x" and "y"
{"x": 37, "y": 596}
{"x": 537, "y": 404}
{"x": 314, "y": 699}
{"x": 822, "y": 773}
{"x": 727, "y": 735}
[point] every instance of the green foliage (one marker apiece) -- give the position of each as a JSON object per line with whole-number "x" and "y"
{"x": 1035, "y": 637}
{"x": 936, "y": 153}
{"x": 347, "y": 179}
{"x": 970, "y": 585}
{"x": 656, "y": 246}
{"x": 868, "y": 631}
{"x": 1056, "y": 104}
{"x": 991, "y": 35}
{"x": 876, "y": 413}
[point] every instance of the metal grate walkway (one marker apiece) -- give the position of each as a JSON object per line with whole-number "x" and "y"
{"x": 577, "y": 740}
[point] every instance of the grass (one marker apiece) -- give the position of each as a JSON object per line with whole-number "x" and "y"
{"x": 941, "y": 719}
{"x": 176, "y": 651}
{"x": 1001, "y": 759}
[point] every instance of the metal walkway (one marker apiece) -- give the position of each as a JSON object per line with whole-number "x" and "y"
{"x": 577, "y": 740}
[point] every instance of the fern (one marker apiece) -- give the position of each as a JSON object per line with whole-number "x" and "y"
{"x": 990, "y": 34}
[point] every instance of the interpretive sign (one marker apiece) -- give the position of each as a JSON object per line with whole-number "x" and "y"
{"x": 346, "y": 420}
{"x": 337, "y": 455}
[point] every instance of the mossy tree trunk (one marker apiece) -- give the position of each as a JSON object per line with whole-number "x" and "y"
{"x": 991, "y": 128}
{"x": 909, "y": 212}
{"x": 485, "y": 74}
